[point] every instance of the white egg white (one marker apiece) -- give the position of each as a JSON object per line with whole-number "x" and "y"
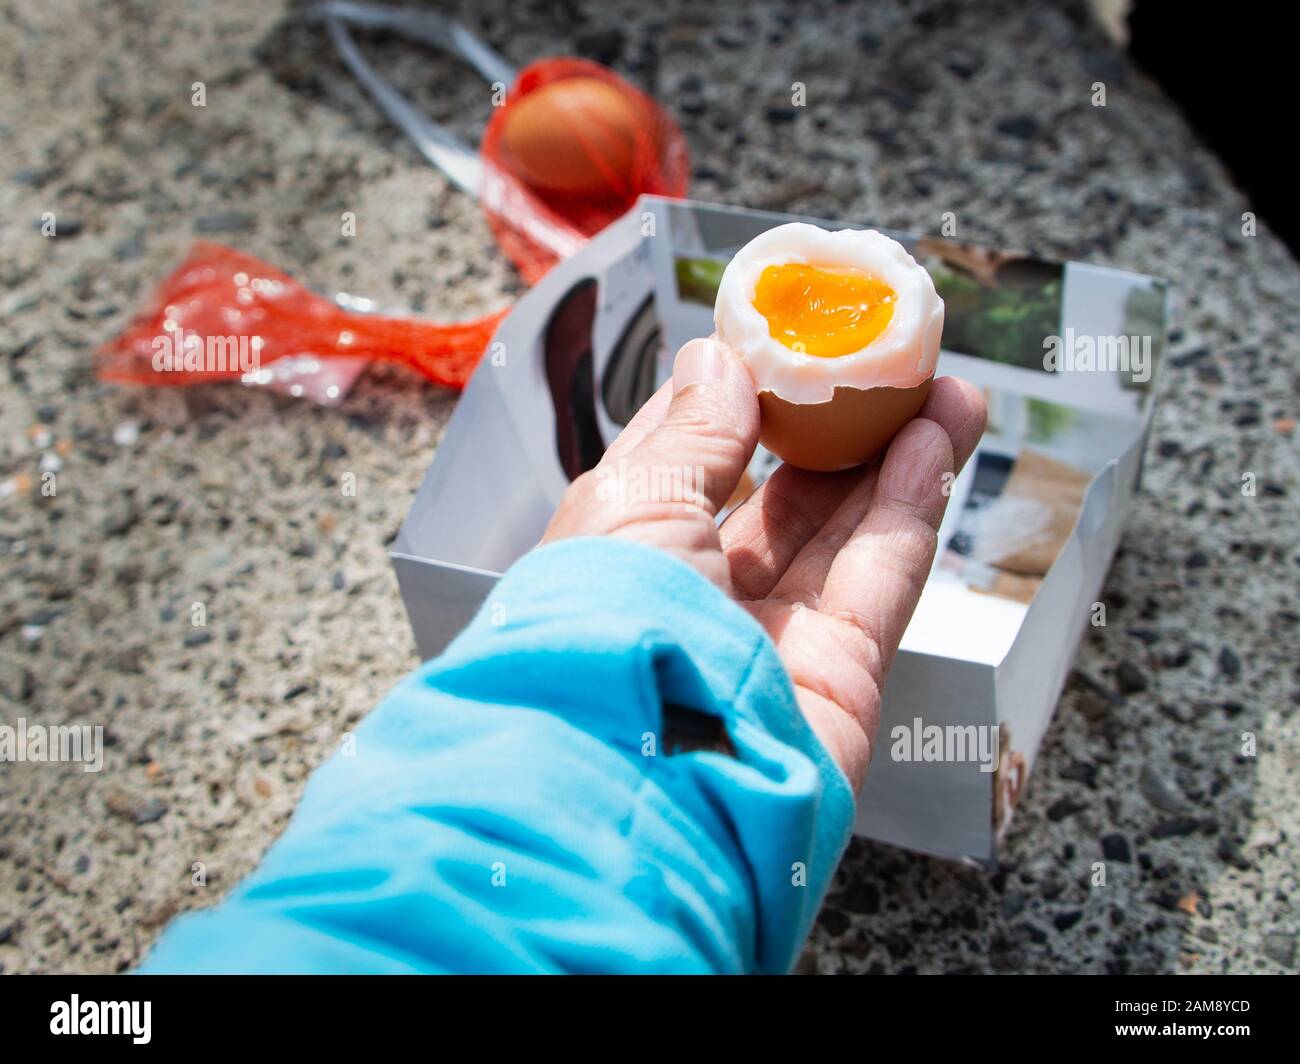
{"x": 902, "y": 356}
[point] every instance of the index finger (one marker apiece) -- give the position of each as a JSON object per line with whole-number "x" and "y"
{"x": 877, "y": 577}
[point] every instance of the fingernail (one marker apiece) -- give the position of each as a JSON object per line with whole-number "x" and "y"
{"x": 698, "y": 362}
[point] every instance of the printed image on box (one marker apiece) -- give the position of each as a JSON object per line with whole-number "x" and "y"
{"x": 1065, "y": 354}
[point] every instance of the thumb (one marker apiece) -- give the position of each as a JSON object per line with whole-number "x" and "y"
{"x": 710, "y": 429}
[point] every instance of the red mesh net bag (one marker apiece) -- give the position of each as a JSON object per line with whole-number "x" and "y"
{"x": 573, "y": 147}
{"x": 569, "y": 152}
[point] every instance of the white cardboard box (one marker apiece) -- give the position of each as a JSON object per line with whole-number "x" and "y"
{"x": 588, "y": 343}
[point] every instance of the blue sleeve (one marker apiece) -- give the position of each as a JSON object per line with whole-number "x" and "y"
{"x": 513, "y": 806}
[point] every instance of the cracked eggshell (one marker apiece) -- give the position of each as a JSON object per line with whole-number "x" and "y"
{"x": 833, "y": 413}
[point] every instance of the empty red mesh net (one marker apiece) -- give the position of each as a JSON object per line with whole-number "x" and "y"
{"x": 221, "y": 305}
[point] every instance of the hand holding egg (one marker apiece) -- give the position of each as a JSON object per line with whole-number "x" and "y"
{"x": 831, "y": 564}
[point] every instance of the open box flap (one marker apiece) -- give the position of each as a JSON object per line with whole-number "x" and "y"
{"x": 644, "y": 282}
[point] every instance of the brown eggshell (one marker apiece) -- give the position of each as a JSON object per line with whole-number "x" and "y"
{"x": 850, "y": 429}
{"x": 574, "y": 135}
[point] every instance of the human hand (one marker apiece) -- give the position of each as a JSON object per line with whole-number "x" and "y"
{"x": 831, "y": 564}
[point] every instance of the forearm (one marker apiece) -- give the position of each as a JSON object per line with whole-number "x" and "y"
{"x": 512, "y": 805}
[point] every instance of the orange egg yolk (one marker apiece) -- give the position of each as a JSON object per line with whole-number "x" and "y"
{"x": 827, "y": 312}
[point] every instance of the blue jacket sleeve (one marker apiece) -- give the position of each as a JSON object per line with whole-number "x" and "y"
{"x": 513, "y": 805}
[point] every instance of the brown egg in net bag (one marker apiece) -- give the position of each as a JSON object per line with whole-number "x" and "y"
{"x": 573, "y": 146}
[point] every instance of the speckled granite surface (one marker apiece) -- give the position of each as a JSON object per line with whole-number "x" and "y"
{"x": 232, "y": 499}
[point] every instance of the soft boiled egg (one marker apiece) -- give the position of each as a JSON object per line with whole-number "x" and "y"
{"x": 840, "y": 331}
